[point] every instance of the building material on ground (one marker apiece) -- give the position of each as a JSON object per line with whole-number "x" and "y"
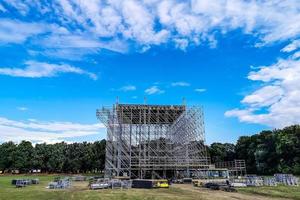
{"x": 24, "y": 182}
{"x": 238, "y": 184}
{"x": 96, "y": 186}
{"x": 142, "y": 183}
{"x": 21, "y": 183}
{"x": 126, "y": 184}
{"x": 253, "y": 180}
{"x": 14, "y": 181}
{"x": 105, "y": 183}
{"x": 116, "y": 184}
{"x": 269, "y": 181}
{"x": 35, "y": 181}
{"x": 287, "y": 179}
{"x": 178, "y": 181}
{"x": 63, "y": 183}
{"x": 100, "y": 183}
{"x": 187, "y": 180}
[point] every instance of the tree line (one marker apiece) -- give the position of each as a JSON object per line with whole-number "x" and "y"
{"x": 53, "y": 158}
{"x": 268, "y": 152}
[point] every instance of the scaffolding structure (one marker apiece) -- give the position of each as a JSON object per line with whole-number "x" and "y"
{"x": 235, "y": 167}
{"x": 153, "y": 141}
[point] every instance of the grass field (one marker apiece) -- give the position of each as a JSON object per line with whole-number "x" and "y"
{"x": 279, "y": 191}
{"x": 80, "y": 190}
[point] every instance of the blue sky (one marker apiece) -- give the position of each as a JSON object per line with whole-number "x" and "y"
{"x": 61, "y": 60}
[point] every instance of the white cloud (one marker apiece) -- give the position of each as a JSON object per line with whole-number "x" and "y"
{"x": 277, "y": 102}
{"x": 200, "y": 90}
{"x": 154, "y": 90}
{"x": 22, "y": 108}
{"x": 264, "y": 96}
{"x": 80, "y": 41}
{"x": 49, "y": 132}
{"x": 180, "y": 83}
{"x": 296, "y": 55}
{"x": 74, "y": 45}
{"x": 146, "y": 23}
{"x": 181, "y": 43}
{"x": 140, "y": 23}
{"x": 73, "y": 54}
{"x": 56, "y": 41}
{"x": 128, "y": 88}
{"x": 13, "y": 31}
{"x": 292, "y": 46}
{"x": 35, "y": 69}
{"x": 130, "y": 19}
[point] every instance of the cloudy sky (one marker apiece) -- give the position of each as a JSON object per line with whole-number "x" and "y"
{"x": 62, "y": 59}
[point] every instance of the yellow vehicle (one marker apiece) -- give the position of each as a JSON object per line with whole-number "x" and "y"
{"x": 163, "y": 183}
{"x": 198, "y": 183}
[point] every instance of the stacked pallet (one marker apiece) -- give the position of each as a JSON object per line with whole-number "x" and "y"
{"x": 287, "y": 179}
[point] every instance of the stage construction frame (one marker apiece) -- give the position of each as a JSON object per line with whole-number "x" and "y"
{"x": 154, "y": 141}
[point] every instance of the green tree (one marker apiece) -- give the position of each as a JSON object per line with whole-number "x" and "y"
{"x": 7, "y": 152}
{"x": 222, "y": 152}
{"x": 98, "y": 158}
{"x": 41, "y": 157}
{"x": 57, "y": 157}
{"x": 23, "y": 156}
{"x": 288, "y": 149}
{"x": 245, "y": 149}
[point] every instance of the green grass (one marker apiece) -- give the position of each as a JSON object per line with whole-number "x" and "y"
{"x": 281, "y": 191}
{"x": 80, "y": 191}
